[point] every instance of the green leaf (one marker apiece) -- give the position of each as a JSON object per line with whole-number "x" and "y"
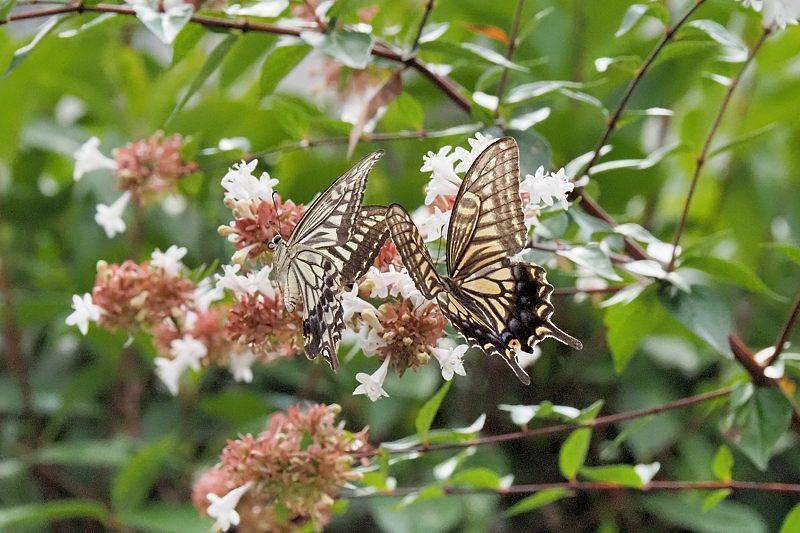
{"x": 492, "y": 57}
{"x": 22, "y": 53}
{"x": 791, "y": 524}
{"x": 428, "y": 411}
{"x": 628, "y": 324}
{"x": 593, "y": 258}
{"x": 479, "y": 478}
{"x": 733, "y": 49}
{"x": 573, "y": 452}
{"x": 5, "y": 8}
{"x": 788, "y": 250}
{"x": 535, "y": 89}
{"x": 164, "y": 518}
{"x": 726, "y": 517}
{"x": 350, "y": 48}
{"x": 675, "y": 50}
{"x": 185, "y": 41}
{"x": 764, "y": 419}
{"x": 722, "y": 463}
{"x": 536, "y": 500}
{"x": 280, "y": 62}
{"x": 636, "y": 12}
{"x": 214, "y": 60}
{"x": 622, "y": 475}
{"x": 136, "y": 477}
{"x": 248, "y": 49}
{"x": 712, "y": 499}
{"x": 405, "y": 112}
{"x": 703, "y": 312}
{"x": 86, "y": 452}
{"x": 654, "y": 158}
{"x": 743, "y": 139}
{"x": 728, "y": 271}
{"x": 38, "y": 514}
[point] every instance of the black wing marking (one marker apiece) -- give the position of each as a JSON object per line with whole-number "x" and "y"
{"x": 412, "y": 250}
{"x": 354, "y": 257}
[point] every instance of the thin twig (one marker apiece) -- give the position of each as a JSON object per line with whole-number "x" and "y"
{"x": 701, "y": 158}
{"x": 563, "y": 428}
{"x": 445, "y": 84}
{"x": 585, "y": 486}
{"x": 425, "y": 15}
{"x": 785, "y": 332}
{"x": 612, "y": 122}
{"x": 512, "y": 44}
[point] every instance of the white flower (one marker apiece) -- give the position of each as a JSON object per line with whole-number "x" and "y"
{"x": 372, "y": 343}
{"x": 264, "y": 8}
{"x": 435, "y": 226}
{"x": 205, "y": 293}
{"x": 85, "y": 311}
{"x": 242, "y": 186}
{"x": 169, "y": 371}
{"x": 372, "y": 385}
{"x": 780, "y": 13}
{"x": 547, "y": 187}
{"x": 109, "y": 217}
{"x": 647, "y": 472}
{"x": 240, "y": 365}
{"x": 223, "y": 510}
{"x": 167, "y": 24}
{"x": 250, "y": 283}
{"x": 662, "y": 251}
{"x": 352, "y": 304}
{"x": 169, "y": 261}
{"x": 450, "y": 359}
{"x": 88, "y": 158}
{"x": 189, "y": 351}
{"x": 477, "y": 146}
{"x": 526, "y": 359}
{"x": 444, "y": 180}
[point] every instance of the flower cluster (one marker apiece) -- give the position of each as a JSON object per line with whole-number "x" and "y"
{"x": 258, "y": 213}
{"x": 777, "y": 14}
{"x": 286, "y": 476}
{"x": 144, "y": 169}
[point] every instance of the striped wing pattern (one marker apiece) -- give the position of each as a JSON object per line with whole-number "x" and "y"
{"x": 331, "y": 218}
{"x": 498, "y": 304}
{"x": 333, "y": 244}
{"x": 487, "y": 223}
{"x": 411, "y": 247}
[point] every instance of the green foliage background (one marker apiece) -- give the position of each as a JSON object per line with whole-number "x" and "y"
{"x": 747, "y": 197}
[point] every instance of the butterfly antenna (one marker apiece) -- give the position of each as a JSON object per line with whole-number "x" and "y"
{"x": 439, "y": 244}
{"x": 277, "y": 215}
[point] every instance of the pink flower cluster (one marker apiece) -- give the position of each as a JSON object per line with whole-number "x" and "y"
{"x": 262, "y": 322}
{"x": 293, "y": 470}
{"x": 152, "y": 165}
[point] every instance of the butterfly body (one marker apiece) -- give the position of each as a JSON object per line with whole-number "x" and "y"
{"x": 333, "y": 244}
{"x": 499, "y": 304}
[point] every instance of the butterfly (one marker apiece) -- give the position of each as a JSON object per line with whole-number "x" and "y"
{"x": 334, "y": 243}
{"x": 499, "y": 304}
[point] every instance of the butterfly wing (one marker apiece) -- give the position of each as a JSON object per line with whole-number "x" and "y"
{"x": 412, "y": 250}
{"x": 354, "y": 257}
{"x": 331, "y": 218}
{"x": 487, "y": 223}
{"x": 498, "y": 304}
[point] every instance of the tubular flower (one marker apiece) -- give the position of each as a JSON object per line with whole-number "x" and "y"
{"x": 293, "y": 470}
{"x": 151, "y": 165}
{"x": 262, "y": 323}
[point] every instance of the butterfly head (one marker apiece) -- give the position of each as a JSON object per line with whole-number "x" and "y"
{"x": 274, "y": 242}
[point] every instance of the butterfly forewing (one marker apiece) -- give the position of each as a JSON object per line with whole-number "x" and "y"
{"x": 354, "y": 257}
{"x": 411, "y": 247}
{"x": 331, "y": 218}
{"x": 487, "y": 222}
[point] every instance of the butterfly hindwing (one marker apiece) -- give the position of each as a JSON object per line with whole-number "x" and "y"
{"x": 354, "y": 257}
{"x": 323, "y": 321}
{"x": 411, "y": 248}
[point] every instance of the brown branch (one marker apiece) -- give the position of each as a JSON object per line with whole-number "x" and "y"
{"x": 648, "y": 62}
{"x": 744, "y": 355}
{"x": 425, "y": 15}
{"x": 512, "y": 43}
{"x": 785, "y": 332}
{"x": 445, "y": 84}
{"x": 564, "y": 428}
{"x": 701, "y": 158}
{"x": 578, "y": 486}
